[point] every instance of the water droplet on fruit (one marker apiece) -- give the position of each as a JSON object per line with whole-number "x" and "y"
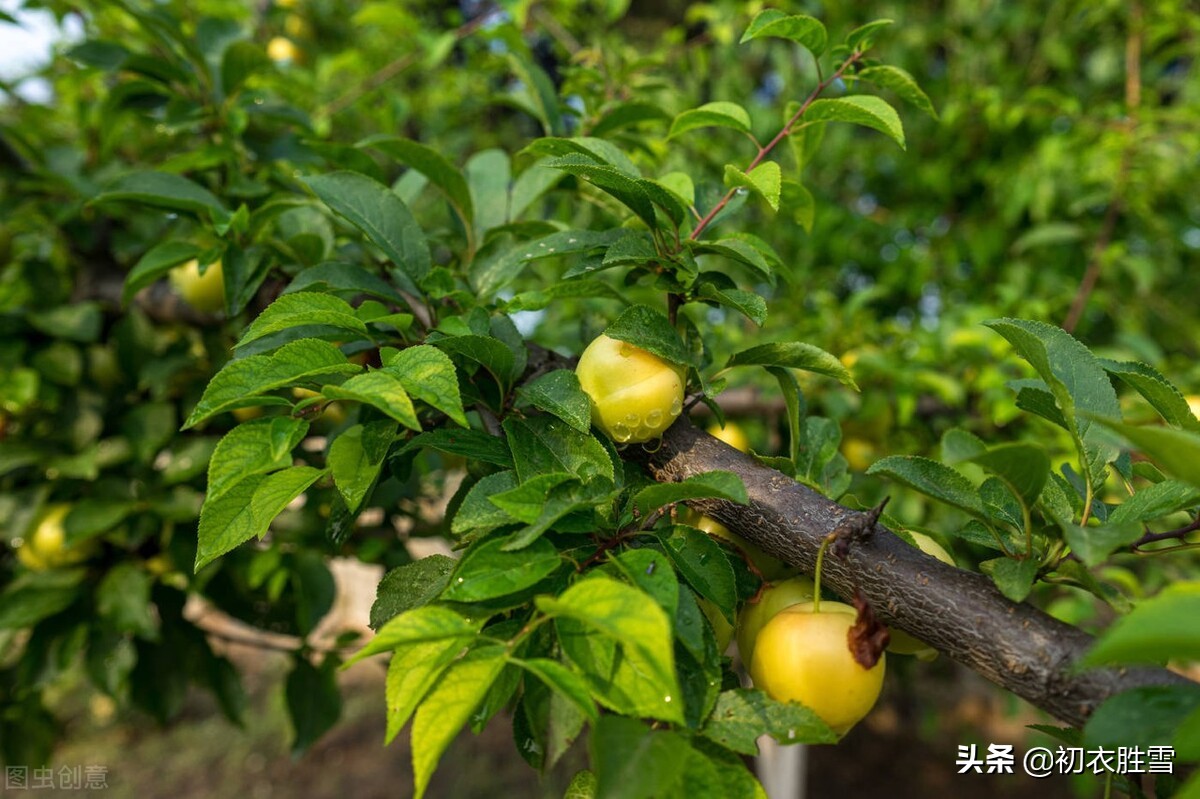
{"x": 676, "y": 407}
{"x": 621, "y": 432}
{"x": 632, "y": 419}
{"x": 654, "y": 418}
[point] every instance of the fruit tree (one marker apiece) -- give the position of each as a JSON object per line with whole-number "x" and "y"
{"x": 675, "y": 326}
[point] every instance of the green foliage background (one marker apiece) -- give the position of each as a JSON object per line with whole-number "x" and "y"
{"x": 1047, "y": 141}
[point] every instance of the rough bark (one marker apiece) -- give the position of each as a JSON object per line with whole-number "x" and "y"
{"x": 958, "y": 612}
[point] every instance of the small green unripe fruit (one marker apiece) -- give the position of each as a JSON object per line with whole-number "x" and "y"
{"x": 635, "y": 394}
{"x": 805, "y": 657}
{"x": 203, "y": 292}
{"x": 755, "y": 615}
{"x": 901, "y": 642}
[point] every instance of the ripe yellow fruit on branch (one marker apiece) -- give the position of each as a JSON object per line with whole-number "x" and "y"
{"x": 204, "y": 292}
{"x": 777, "y": 598}
{"x": 635, "y": 394}
{"x": 901, "y": 642}
{"x": 731, "y": 434}
{"x": 804, "y": 656}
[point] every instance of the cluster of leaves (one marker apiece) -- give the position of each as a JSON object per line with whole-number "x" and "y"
{"x": 1061, "y": 527}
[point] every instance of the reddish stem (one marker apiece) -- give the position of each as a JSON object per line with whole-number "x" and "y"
{"x": 764, "y": 150}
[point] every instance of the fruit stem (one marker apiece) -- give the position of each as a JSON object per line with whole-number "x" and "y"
{"x": 817, "y": 573}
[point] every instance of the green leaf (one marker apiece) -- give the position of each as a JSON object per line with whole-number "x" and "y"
{"x": 714, "y": 485}
{"x": 478, "y": 512}
{"x": 448, "y": 707}
{"x": 859, "y": 109}
{"x": 355, "y": 458}
{"x": 336, "y": 276}
{"x": 932, "y": 479}
{"x": 157, "y": 262}
{"x": 649, "y": 329}
{"x": 634, "y": 762}
{"x": 583, "y": 786}
{"x": 541, "y": 91}
{"x": 863, "y": 37}
{"x": 900, "y": 82}
{"x": 543, "y": 445}
{"x": 472, "y": 444}
{"x": 651, "y": 571}
{"x": 412, "y": 585}
{"x": 428, "y": 374}
{"x": 735, "y": 250}
{"x": 1024, "y": 468}
{"x": 1162, "y": 628}
{"x": 563, "y": 681}
{"x": 560, "y": 394}
{"x": 764, "y": 180}
{"x": 801, "y": 203}
{"x": 488, "y": 175}
{"x": 704, "y": 564}
{"x": 433, "y": 165}
{"x": 1078, "y": 382}
{"x": 380, "y": 215}
{"x": 1157, "y": 390}
{"x": 799, "y": 28}
{"x": 78, "y": 321}
{"x": 642, "y": 628}
{"x": 380, "y": 389}
{"x": 255, "y": 447}
{"x": 1187, "y": 738}
{"x": 27, "y": 600}
{"x": 426, "y": 623}
{"x": 1013, "y": 577}
{"x": 795, "y": 355}
{"x": 1144, "y": 717}
{"x": 560, "y": 503}
{"x": 629, "y": 191}
{"x": 490, "y": 353}
{"x": 241, "y": 60}
{"x": 1094, "y": 544}
{"x": 718, "y": 114}
{"x": 164, "y": 190}
{"x": 313, "y": 700}
{"x": 241, "y": 380}
{"x": 1176, "y": 451}
{"x": 742, "y": 715}
{"x": 93, "y": 516}
{"x": 1156, "y": 501}
{"x": 413, "y": 670}
{"x": 626, "y": 115}
{"x": 123, "y": 601}
{"x": 525, "y": 502}
{"x": 487, "y": 571}
{"x": 246, "y": 509}
{"x": 746, "y": 302}
{"x": 306, "y": 309}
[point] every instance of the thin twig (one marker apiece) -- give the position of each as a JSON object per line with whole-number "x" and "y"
{"x": 765, "y": 150}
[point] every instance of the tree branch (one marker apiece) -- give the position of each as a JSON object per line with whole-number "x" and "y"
{"x": 960, "y": 613}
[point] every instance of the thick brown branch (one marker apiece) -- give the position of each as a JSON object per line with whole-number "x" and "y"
{"x": 960, "y": 613}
